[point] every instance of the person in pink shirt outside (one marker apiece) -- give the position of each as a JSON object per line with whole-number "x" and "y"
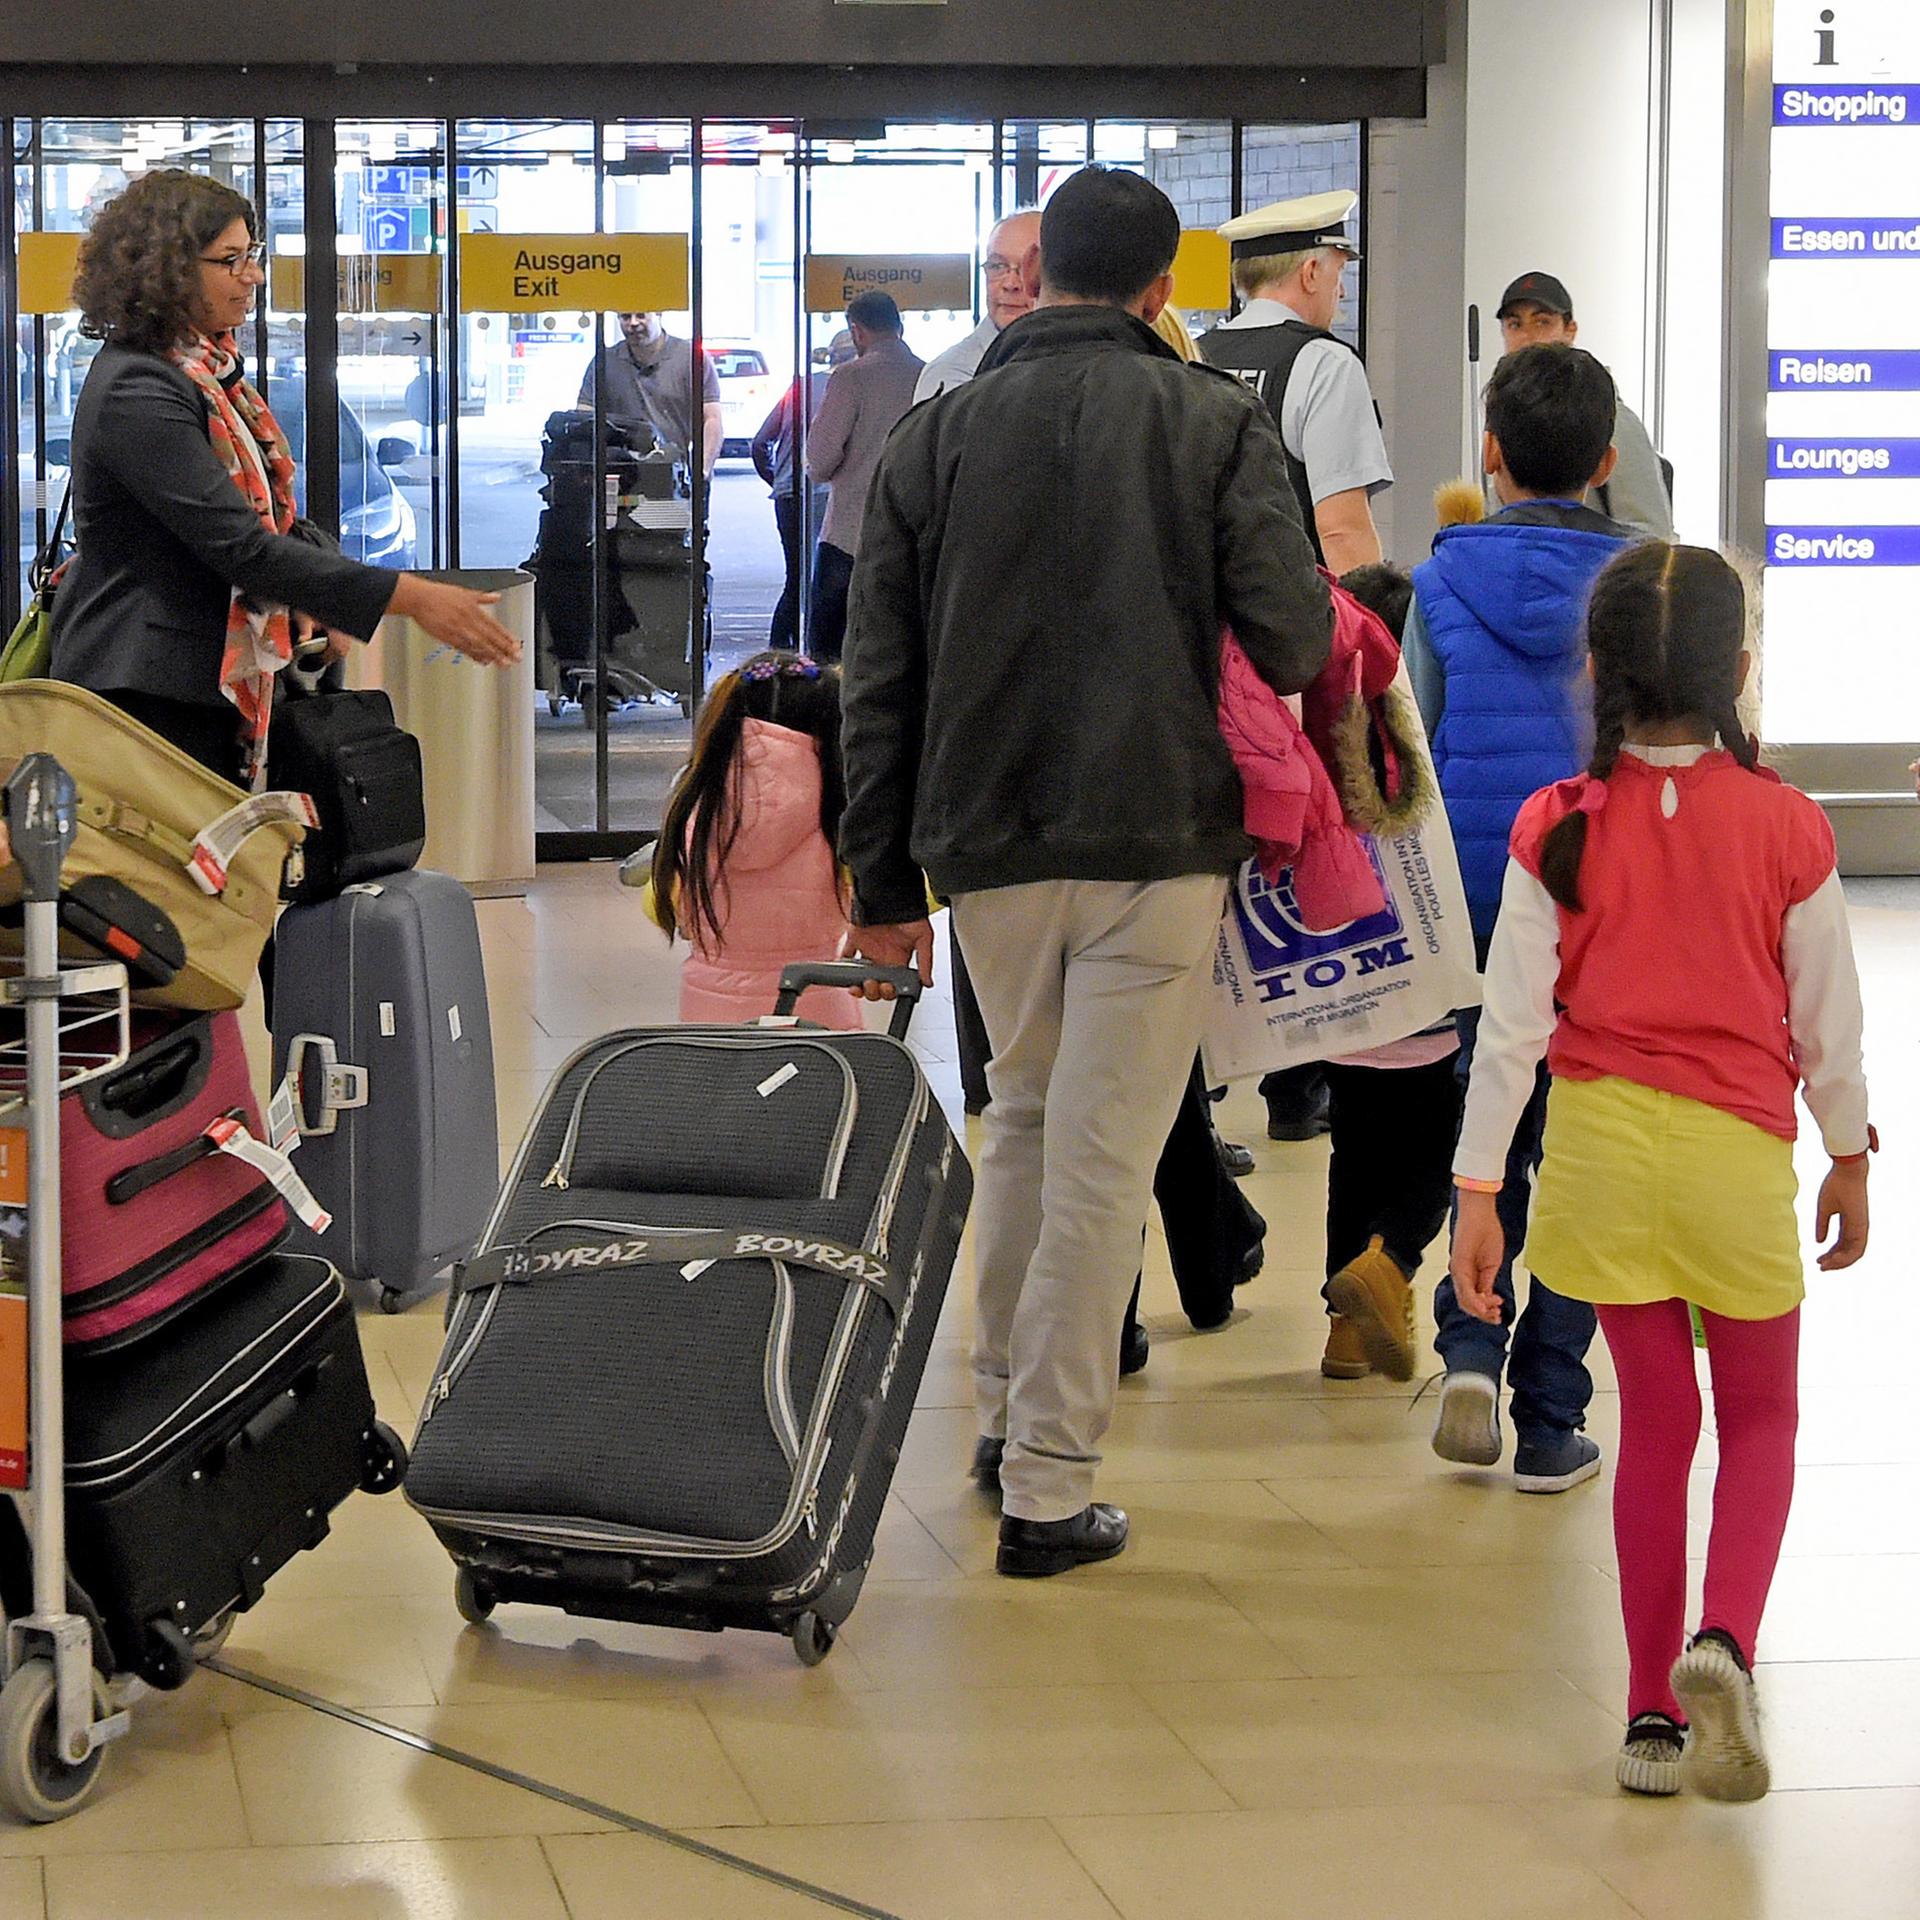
{"x": 744, "y": 868}
{"x": 1673, "y": 939}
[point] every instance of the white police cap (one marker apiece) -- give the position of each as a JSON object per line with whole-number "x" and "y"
{"x": 1294, "y": 226}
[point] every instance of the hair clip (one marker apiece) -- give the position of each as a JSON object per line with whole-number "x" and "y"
{"x": 800, "y": 667}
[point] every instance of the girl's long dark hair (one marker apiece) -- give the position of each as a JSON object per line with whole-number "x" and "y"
{"x": 703, "y": 811}
{"x": 1666, "y": 627}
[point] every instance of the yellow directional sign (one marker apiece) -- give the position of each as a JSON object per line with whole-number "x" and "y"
{"x": 919, "y": 282}
{"x": 47, "y": 263}
{"x": 367, "y": 282}
{"x": 595, "y": 272}
{"x": 1202, "y": 272}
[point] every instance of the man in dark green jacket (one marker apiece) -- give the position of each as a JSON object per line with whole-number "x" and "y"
{"x": 1032, "y": 667}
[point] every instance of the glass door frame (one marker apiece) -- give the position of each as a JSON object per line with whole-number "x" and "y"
{"x": 1013, "y": 160}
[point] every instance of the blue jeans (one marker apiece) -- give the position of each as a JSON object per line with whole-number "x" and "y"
{"x": 1548, "y": 1366}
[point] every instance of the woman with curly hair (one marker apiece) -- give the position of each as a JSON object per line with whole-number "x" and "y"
{"x": 192, "y": 583}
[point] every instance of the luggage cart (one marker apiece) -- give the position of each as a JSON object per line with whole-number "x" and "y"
{"x": 59, "y": 1025}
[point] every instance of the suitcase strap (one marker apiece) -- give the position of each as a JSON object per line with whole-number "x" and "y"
{"x": 691, "y": 1249}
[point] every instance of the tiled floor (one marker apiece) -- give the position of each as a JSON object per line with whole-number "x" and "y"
{"x": 1331, "y": 1678}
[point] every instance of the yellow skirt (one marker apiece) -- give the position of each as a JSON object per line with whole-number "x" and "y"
{"x": 1646, "y": 1196}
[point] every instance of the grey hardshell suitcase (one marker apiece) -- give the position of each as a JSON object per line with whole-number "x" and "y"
{"x": 680, "y": 1367}
{"x": 380, "y": 1019}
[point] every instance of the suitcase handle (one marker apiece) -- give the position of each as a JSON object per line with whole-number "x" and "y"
{"x": 159, "y": 1078}
{"x": 848, "y": 974}
{"x": 131, "y": 1182}
{"x": 276, "y": 1413}
{"x": 341, "y": 1089}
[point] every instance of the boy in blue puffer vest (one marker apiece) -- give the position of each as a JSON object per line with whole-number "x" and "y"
{"x": 1496, "y": 648}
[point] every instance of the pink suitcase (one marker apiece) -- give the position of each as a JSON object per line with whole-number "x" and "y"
{"x": 154, "y": 1213}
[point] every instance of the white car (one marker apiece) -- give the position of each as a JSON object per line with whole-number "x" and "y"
{"x": 748, "y": 391}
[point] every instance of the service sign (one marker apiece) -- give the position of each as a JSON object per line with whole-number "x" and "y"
{"x": 591, "y": 272}
{"x": 919, "y": 282}
{"x": 1843, "y": 374}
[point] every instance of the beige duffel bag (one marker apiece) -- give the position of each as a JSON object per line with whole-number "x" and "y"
{"x": 153, "y": 818}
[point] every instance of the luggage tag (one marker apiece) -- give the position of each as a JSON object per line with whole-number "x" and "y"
{"x": 231, "y": 1137}
{"x": 215, "y": 845}
{"x": 283, "y": 1118}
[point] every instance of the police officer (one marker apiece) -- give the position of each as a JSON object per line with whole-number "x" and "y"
{"x": 1287, "y": 264}
{"x": 1288, "y": 260}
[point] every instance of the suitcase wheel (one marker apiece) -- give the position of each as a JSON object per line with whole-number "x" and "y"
{"x": 392, "y": 1300}
{"x": 383, "y": 1459}
{"x": 35, "y": 1782}
{"x": 213, "y": 1636}
{"x": 473, "y": 1594}
{"x": 813, "y": 1639}
{"x": 166, "y": 1659}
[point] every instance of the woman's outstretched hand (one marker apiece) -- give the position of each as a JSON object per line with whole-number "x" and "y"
{"x": 457, "y": 617}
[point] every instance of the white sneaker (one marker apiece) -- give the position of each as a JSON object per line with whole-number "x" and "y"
{"x": 1650, "y": 1757}
{"x": 1467, "y": 1429}
{"x": 1725, "y": 1757}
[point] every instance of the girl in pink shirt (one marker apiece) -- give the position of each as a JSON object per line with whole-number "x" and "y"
{"x": 1673, "y": 938}
{"x": 745, "y": 867}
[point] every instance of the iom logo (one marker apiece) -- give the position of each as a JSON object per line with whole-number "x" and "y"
{"x": 1286, "y": 956}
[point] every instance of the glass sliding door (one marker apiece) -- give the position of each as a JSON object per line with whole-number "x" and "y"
{"x": 391, "y": 207}
{"x": 751, "y": 323}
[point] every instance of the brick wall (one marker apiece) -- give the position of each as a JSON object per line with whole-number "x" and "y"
{"x": 1280, "y": 163}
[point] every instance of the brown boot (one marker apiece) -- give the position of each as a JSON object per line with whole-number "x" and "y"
{"x": 1345, "y": 1358}
{"x": 1376, "y": 1296}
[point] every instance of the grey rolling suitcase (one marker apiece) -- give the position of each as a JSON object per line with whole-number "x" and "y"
{"x": 679, "y": 1370}
{"x": 380, "y": 1021}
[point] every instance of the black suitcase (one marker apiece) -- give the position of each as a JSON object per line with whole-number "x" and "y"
{"x": 199, "y": 1463}
{"x": 363, "y": 774}
{"x": 680, "y": 1367}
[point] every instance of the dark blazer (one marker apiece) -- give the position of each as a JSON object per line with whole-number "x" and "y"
{"x": 164, "y": 536}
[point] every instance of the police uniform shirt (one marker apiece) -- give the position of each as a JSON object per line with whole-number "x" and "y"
{"x": 1327, "y": 417}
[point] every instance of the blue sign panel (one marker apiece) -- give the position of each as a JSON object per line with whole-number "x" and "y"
{"x": 1837, "y": 369}
{"x": 1843, "y": 546}
{"x": 1856, "y": 106}
{"x": 386, "y": 229}
{"x": 1846, "y": 239}
{"x": 1843, "y": 460}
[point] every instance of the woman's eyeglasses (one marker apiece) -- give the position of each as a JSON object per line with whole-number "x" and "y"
{"x": 238, "y": 263}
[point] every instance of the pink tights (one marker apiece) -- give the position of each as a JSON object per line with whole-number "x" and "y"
{"x": 1754, "y": 1364}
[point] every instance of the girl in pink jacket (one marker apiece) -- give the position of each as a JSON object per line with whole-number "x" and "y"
{"x": 745, "y": 867}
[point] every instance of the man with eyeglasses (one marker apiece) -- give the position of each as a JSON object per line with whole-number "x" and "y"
{"x": 649, "y": 378}
{"x": 1009, "y": 246}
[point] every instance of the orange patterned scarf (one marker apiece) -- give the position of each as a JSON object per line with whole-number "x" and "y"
{"x": 255, "y": 453}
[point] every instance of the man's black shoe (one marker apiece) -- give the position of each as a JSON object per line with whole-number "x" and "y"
{"x": 1292, "y": 1119}
{"x": 1134, "y": 1348}
{"x": 987, "y": 1455}
{"x": 1253, "y": 1265}
{"x": 1235, "y": 1160}
{"x": 1034, "y": 1549}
